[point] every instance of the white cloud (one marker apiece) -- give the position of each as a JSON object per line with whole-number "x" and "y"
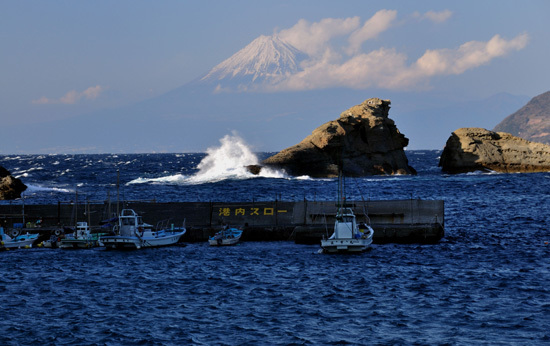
{"x": 469, "y": 55}
{"x": 389, "y": 69}
{"x": 436, "y": 17}
{"x": 93, "y": 92}
{"x": 73, "y": 96}
{"x": 314, "y": 38}
{"x": 70, "y": 98}
{"x": 361, "y": 71}
{"x": 377, "y": 24}
{"x": 383, "y": 67}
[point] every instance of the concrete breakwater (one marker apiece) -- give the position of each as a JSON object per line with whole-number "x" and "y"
{"x": 304, "y": 221}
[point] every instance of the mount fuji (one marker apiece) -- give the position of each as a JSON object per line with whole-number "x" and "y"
{"x": 265, "y": 62}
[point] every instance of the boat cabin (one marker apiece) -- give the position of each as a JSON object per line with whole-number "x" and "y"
{"x": 345, "y": 224}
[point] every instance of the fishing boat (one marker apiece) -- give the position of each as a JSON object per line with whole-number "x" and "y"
{"x": 81, "y": 238}
{"x": 227, "y": 236}
{"x": 53, "y": 243}
{"x": 348, "y": 236}
{"x": 132, "y": 233}
{"x": 18, "y": 242}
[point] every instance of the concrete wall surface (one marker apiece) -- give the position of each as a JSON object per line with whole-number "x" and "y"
{"x": 282, "y": 219}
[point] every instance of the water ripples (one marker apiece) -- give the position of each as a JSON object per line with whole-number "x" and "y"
{"x": 277, "y": 293}
{"x": 485, "y": 282}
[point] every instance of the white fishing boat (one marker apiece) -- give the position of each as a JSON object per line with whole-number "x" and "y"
{"x": 132, "y": 233}
{"x": 227, "y": 236}
{"x": 348, "y": 236}
{"x": 81, "y": 238}
{"x": 17, "y": 242}
{"x": 53, "y": 243}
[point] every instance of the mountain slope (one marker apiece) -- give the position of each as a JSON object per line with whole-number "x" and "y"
{"x": 531, "y": 122}
{"x": 265, "y": 61}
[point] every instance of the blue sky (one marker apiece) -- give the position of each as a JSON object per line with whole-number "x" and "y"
{"x": 60, "y": 59}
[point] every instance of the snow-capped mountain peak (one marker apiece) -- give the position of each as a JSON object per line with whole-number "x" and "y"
{"x": 267, "y": 59}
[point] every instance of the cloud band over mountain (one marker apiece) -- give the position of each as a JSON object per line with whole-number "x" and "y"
{"x": 333, "y": 56}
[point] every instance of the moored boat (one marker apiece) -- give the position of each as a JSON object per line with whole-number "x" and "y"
{"x": 53, "y": 243}
{"x": 348, "y": 236}
{"x": 132, "y": 233}
{"x": 20, "y": 241}
{"x": 81, "y": 238}
{"x": 227, "y": 236}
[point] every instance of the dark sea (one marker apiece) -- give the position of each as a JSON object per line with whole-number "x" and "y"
{"x": 486, "y": 282}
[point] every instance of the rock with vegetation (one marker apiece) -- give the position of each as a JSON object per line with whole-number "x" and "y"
{"x": 10, "y": 187}
{"x": 363, "y": 141}
{"x": 476, "y": 149}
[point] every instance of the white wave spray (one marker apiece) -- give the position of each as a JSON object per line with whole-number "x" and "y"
{"x": 228, "y": 161}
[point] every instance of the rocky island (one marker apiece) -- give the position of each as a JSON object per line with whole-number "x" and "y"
{"x": 10, "y": 187}
{"x": 363, "y": 140}
{"x": 476, "y": 149}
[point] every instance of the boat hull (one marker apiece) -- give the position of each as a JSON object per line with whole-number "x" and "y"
{"x": 18, "y": 244}
{"x": 133, "y": 243}
{"x": 78, "y": 244}
{"x": 345, "y": 245}
{"x": 223, "y": 242}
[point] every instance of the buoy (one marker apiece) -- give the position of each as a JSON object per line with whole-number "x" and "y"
{"x": 28, "y": 246}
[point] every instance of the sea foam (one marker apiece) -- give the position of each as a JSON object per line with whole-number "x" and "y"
{"x": 227, "y": 161}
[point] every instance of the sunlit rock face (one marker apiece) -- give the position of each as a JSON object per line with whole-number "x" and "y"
{"x": 476, "y": 149}
{"x": 362, "y": 141}
{"x": 10, "y": 187}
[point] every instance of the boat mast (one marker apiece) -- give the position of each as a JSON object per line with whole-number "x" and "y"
{"x": 75, "y": 208}
{"x": 117, "y": 192}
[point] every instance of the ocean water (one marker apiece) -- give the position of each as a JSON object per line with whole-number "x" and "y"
{"x": 486, "y": 282}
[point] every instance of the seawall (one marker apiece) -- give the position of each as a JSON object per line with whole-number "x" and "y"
{"x": 304, "y": 221}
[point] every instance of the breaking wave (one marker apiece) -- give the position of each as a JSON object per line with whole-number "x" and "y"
{"x": 36, "y": 188}
{"x": 227, "y": 161}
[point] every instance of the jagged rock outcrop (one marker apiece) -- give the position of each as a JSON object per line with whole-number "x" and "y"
{"x": 476, "y": 149}
{"x": 363, "y": 140}
{"x": 531, "y": 122}
{"x": 10, "y": 187}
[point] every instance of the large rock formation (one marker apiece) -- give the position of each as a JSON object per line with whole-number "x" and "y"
{"x": 364, "y": 141}
{"x": 531, "y": 122}
{"x": 10, "y": 187}
{"x": 475, "y": 149}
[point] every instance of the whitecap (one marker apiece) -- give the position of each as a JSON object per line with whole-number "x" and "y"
{"x": 37, "y": 188}
{"x": 230, "y": 161}
{"x": 171, "y": 179}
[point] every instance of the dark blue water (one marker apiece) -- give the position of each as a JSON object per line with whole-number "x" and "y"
{"x": 486, "y": 282}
